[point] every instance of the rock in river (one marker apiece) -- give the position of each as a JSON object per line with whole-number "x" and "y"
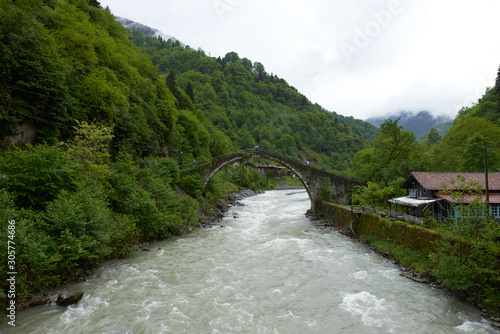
{"x": 65, "y": 300}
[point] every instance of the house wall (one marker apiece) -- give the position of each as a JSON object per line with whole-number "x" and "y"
{"x": 417, "y": 191}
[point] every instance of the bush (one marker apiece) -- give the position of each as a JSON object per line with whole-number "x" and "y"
{"x": 466, "y": 259}
{"x": 192, "y": 185}
{"x": 164, "y": 168}
{"x": 176, "y": 213}
{"x": 146, "y": 197}
{"x": 37, "y": 174}
{"x": 33, "y": 247}
{"x": 80, "y": 221}
{"x": 129, "y": 198}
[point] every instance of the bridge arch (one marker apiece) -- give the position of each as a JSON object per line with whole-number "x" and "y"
{"x": 296, "y": 168}
{"x": 312, "y": 178}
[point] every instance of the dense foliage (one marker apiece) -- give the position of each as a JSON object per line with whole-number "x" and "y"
{"x": 466, "y": 258}
{"x": 255, "y": 108}
{"x": 70, "y": 61}
{"x": 92, "y": 185}
{"x": 116, "y": 123}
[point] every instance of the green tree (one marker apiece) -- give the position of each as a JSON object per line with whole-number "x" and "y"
{"x": 372, "y": 195}
{"x": 90, "y": 147}
{"x": 325, "y": 191}
{"x": 287, "y": 145}
{"x": 433, "y": 137}
{"x": 390, "y": 156}
{"x": 259, "y": 71}
{"x": 32, "y": 75}
{"x": 190, "y": 91}
{"x": 246, "y": 139}
{"x": 466, "y": 259}
{"x": 473, "y": 156}
{"x": 37, "y": 174}
{"x": 448, "y": 153}
{"x": 81, "y": 219}
{"x": 220, "y": 144}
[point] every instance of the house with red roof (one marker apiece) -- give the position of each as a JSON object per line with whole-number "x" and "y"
{"x": 430, "y": 193}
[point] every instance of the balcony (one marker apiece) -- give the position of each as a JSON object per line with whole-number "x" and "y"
{"x": 414, "y": 193}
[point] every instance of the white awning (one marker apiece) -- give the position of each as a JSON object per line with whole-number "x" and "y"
{"x": 408, "y": 201}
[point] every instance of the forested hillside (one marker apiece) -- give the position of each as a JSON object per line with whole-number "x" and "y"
{"x": 89, "y": 71}
{"x": 94, "y": 133}
{"x": 253, "y": 107}
{"x": 96, "y": 122}
{"x": 72, "y": 61}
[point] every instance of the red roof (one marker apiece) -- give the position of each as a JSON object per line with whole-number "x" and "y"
{"x": 494, "y": 198}
{"x": 436, "y": 181}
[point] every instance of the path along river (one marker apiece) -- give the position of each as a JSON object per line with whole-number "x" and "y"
{"x": 267, "y": 271}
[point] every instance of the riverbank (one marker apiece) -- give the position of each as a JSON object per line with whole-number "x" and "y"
{"x": 221, "y": 208}
{"x": 268, "y": 269}
{"x": 408, "y": 246}
{"x": 219, "y": 211}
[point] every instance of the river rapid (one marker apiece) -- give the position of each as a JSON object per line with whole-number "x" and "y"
{"x": 265, "y": 269}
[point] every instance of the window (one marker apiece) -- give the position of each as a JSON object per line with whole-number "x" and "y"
{"x": 495, "y": 210}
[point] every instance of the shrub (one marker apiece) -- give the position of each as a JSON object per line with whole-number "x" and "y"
{"x": 33, "y": 247}
{"x": 192, "y": 185}
{"x": 80, "y": 222}
{"x": 37, "y": 174}
{"x": 164, "y": 168}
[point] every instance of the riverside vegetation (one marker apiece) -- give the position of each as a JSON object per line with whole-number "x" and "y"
{"x": 117, "y": 113}
{"x": 94, "y": 136}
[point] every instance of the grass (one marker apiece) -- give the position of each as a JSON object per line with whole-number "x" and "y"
{"x": 403, "y": 256}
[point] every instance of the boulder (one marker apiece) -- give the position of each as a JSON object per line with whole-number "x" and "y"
{"x": 64, "y": 300}
{"x": 416, "y": 277}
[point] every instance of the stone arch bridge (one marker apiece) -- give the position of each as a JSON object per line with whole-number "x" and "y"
{"x": 311, "y": 177}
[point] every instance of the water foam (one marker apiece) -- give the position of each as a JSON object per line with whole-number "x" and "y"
{"x": 371, "y": 309}
{"x": 360, "y": 275}
{"x": 475, "y": 327}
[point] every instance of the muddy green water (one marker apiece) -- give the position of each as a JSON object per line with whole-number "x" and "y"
{"x": 267, "y": 271}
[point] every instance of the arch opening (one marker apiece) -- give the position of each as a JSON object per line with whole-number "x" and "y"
{"x": 217, "y": 166}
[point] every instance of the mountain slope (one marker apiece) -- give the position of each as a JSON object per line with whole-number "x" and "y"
{"x": 71, "y": 62}
{"x": 420, "y": 123}
{"x": 66, "y": 63}
{"x": 255, "y": 108}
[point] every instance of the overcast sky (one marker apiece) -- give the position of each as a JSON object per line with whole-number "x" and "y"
{"x": 359, "y": 58}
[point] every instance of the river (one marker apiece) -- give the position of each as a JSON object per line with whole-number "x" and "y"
{"x": 266, "y": 269}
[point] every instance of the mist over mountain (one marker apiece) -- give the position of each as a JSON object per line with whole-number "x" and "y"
{"x": 146, "y": 30}
{"x": 419, "y": 123}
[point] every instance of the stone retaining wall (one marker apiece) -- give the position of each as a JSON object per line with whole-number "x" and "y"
{"x": 359, "y": 225}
